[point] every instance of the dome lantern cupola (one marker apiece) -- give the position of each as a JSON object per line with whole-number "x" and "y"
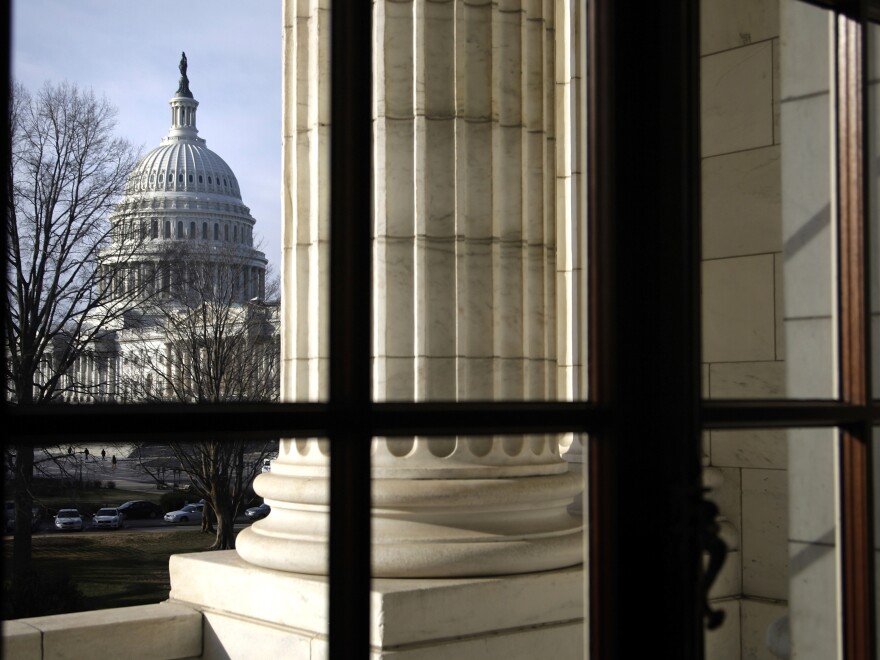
{"x": 183, "y": 109}
{"x": 182, "y": 163}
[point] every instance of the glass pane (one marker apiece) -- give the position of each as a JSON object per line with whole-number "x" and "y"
{"x": 767, "y": 269}
{"x": 873, "y": 188}
{"x": 776, "y": 496}
{"x": 172, "y": 250}
{"x": 479, "y": 281}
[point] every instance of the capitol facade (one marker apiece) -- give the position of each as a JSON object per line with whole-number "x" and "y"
{"x": 181, "y": 258}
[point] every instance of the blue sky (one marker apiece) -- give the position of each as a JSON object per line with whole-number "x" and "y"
{"x": 128, "y": 51}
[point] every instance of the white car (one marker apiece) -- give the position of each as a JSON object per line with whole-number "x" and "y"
{"x": 190, "y": 513}
{"x": 109, "y": 517}
{"x": 69, "y": 519}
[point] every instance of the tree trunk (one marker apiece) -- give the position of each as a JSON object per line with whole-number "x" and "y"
{"x": 22, "y": 543}
{"x": 208, "y": 519}
{"x": 225, "y": 530}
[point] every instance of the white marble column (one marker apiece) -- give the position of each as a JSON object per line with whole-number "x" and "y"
{"x": 464, "y": 290}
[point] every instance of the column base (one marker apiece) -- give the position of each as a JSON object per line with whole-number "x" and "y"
{"x": 252, "y": 611}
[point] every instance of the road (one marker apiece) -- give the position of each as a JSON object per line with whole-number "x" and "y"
{"x": 47, "y": 527}
{"x": 127, "y": 475}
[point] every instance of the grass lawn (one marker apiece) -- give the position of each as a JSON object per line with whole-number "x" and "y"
{"x": 112, "y": 570}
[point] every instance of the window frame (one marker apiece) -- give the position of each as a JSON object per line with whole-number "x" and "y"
{"x": 630, "y": 461}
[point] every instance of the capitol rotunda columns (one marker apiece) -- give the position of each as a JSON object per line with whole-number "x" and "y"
{"x": 464, "y": 225}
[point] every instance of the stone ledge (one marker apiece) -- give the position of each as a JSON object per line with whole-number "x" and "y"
{"x": 407, "y": 613}
{"x": 165, "y": 631}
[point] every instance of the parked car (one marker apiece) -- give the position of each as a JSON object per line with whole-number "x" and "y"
{"x": 69, "y": 519}
{"x": 108, "y": 517}
{"x": 258, "y": 512}
{"x": 140, "y": 509}
{"x": 190, "y": 513}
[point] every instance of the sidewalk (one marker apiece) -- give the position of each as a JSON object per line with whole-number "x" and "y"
{"x": 128, "y": 475}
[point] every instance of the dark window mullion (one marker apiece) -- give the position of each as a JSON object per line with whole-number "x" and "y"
{"x": 782, "y": 413}
{"x": 350, "y": 295}
{"x": 644, "y": 329}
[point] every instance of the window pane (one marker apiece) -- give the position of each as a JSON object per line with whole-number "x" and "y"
{"x": 767, "y": 233}
{"x": 139, "y": 264}
{"x": 448, "y": 515}
{"x": 479, "y": 277}
{"x": 776, "y": 496}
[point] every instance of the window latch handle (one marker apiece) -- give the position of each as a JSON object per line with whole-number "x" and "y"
{"x": 711, "y": 542}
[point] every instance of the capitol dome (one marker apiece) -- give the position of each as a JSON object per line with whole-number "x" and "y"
{"x": 183, "y": 199}
{"x": 182, "y": 163}
{"x": 183, "y": 166}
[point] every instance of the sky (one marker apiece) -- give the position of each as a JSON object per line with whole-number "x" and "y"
{"x": 128, "y": 52}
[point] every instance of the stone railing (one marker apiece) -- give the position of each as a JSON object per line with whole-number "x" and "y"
{"x": 165, "y": 631}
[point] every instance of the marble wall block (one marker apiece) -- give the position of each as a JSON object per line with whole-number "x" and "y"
{"x": 764, "y": 536}
{"x": 807, "y": 71}
{"x": 737, "y": 99}
{"x": 813, "y": 604}
{"x": 728, "y": 583}
{"x": 753, "y": 448}
{"x": 723, "y": 643}
{"x": 810, "y": 363}
{"x": 741, "y": 203}
{"x": 756, "y": 617}
{"x": 746, "y": 380}
{"x": 812, "y": 485}
{"x": 738, "y": 309}
{"x": 779, "y": 301}
{"x": 807, "y": 217}
{"x": 727, "y": 495}
{"x": 777, "y": 93}
{"x": 727, "y": 24}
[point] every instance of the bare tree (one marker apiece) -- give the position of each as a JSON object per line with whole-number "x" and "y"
{"x": 213, "y": 339}
{"x": 67, "y": 172}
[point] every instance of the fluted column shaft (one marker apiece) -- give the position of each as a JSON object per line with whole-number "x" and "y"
{"x": 464, "y": 225}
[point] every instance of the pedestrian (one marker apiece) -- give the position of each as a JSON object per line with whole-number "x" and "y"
{"x": 86, "y": 453}
{"x": 103, "y": 454}
{"x": 70, "y": 450}
{"x": 113, "y": 459}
